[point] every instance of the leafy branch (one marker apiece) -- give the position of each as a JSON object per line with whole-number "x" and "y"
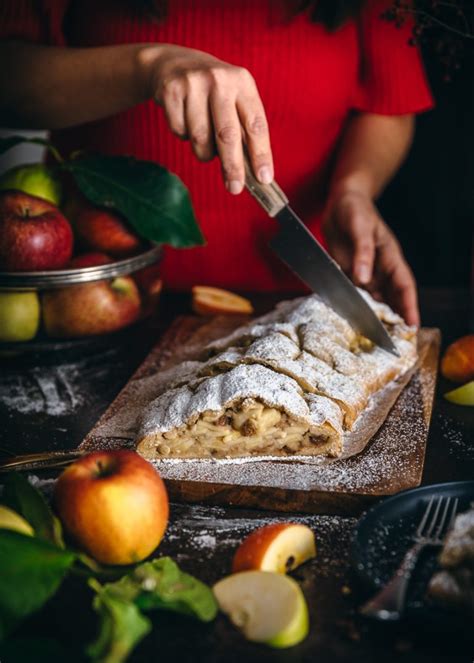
{"x": 32, "y": 568}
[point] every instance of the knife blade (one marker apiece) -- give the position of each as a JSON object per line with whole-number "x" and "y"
{"x": 300, "y": 250}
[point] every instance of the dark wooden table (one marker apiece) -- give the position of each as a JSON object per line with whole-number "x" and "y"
{"x": 51, "y": 401}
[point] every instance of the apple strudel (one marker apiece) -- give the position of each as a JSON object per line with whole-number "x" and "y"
{"x": 289, "y": 382}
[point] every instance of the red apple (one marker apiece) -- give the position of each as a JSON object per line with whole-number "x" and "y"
{"x": 101, "y": 229}
{"x": 92, "y": 308}
{"x": 89, "y": 260}
{"x": 278, "y": 547}
{"x": 114, "y": 505}
{"x": 34, "y": 235}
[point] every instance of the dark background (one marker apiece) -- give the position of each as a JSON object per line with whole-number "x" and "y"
{"x": 430, "y": 203}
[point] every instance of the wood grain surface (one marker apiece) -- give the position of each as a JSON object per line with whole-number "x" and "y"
{"x": 392, "y": 461}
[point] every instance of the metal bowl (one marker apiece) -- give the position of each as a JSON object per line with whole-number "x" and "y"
{"x": 49, "y": 280}
{"x": 63, "y": 278}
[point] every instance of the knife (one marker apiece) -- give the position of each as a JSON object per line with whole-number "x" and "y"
{"x": 305, "y": 256}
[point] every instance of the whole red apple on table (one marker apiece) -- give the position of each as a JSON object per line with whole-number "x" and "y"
{"x": 100, "y": 307}
{"x": 101, "y": 229}
{"x": 34, "y": 235}
{"x": 114, "y": 505}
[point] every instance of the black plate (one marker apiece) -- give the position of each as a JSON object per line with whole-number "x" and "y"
{"x": 385, "y": 533}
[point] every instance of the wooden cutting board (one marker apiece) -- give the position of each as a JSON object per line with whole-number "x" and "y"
{"x": 392, "y": 461}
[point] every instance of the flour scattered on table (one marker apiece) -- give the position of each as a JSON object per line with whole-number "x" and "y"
{"x": 51, "y": 390}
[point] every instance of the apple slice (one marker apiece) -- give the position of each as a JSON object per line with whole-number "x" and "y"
{"x": 462, "y": 395}
{"x": 267, "y": 607}
{"x": 215, "y": 301}
{"x": 279, "y": 547}
{"x": 10, "y": 519}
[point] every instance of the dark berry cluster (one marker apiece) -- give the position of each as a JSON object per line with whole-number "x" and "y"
{"x": 445, "y": 28}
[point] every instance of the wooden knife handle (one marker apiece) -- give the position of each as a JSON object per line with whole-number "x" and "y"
{"x": 270, "y": 196}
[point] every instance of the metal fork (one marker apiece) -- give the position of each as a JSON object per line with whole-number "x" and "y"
{"x": 388, "y": 604}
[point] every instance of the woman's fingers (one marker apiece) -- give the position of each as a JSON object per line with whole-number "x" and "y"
{"x": 364, "y": 249}
{"x": 199, "y": 124}
{"x": 364, "y": 246}
{"x": 228, "y": 138}
{"x": 215, "y": 105}
{"x": 257, "y": 136}
{"x": 173, "y": 104}
{"x": 356, "y": 220}
{"x": 402, "y": 289}
{"x": 394, "y": 272}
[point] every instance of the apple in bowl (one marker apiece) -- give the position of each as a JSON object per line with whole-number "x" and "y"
{"x": 94, "y": 308}
{"x": 114, "y": 505}
{"x": 36, "y": 179}
{"x": 101, "y": 229}
{"x": 34, "y": 235}
{"x": 19, "y": 316}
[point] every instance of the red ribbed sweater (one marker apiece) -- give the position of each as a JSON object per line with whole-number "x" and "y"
{"x": 309, "y": 79}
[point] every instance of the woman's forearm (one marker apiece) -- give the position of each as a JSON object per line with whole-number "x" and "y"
{"x": 50, "y": 88}
{"x": 372, "y": 149}
{"x": 205, "y": 100}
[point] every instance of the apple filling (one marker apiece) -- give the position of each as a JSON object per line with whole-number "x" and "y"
{"x": 250, "y": 428}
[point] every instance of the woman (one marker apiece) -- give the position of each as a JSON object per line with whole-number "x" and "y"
{"x": 330, "y": 110}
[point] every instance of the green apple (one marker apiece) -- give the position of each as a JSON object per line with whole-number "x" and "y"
{"x": 462, "y": 395}
{"x": 35, "y": 179}
{"x": 10, "y": 519}
{"x": 267, "y": 607}
{"x": 19, "y": 316}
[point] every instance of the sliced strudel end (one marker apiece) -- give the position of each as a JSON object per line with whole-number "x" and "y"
{"x": 248, "y": 410}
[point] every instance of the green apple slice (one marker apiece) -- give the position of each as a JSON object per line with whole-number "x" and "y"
{"x": 462, "y": 395}
{"x": 10, "y": 519}
{"x": 267, "y": 607}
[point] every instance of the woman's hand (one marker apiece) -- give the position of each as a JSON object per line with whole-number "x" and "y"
{"x": 369, "y": 253}
{"x": 213, "y": 104}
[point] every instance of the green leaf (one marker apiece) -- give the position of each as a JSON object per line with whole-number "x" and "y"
{"x": 161, "y": 584}
{"x": 23, "y": 498}
{"x": 30, "y": 572}
{"x": 152, "y": 199}
{"x": 9, "y": 142}
{"x": 151, "y": 585}
{"x": 121, "y": 626}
